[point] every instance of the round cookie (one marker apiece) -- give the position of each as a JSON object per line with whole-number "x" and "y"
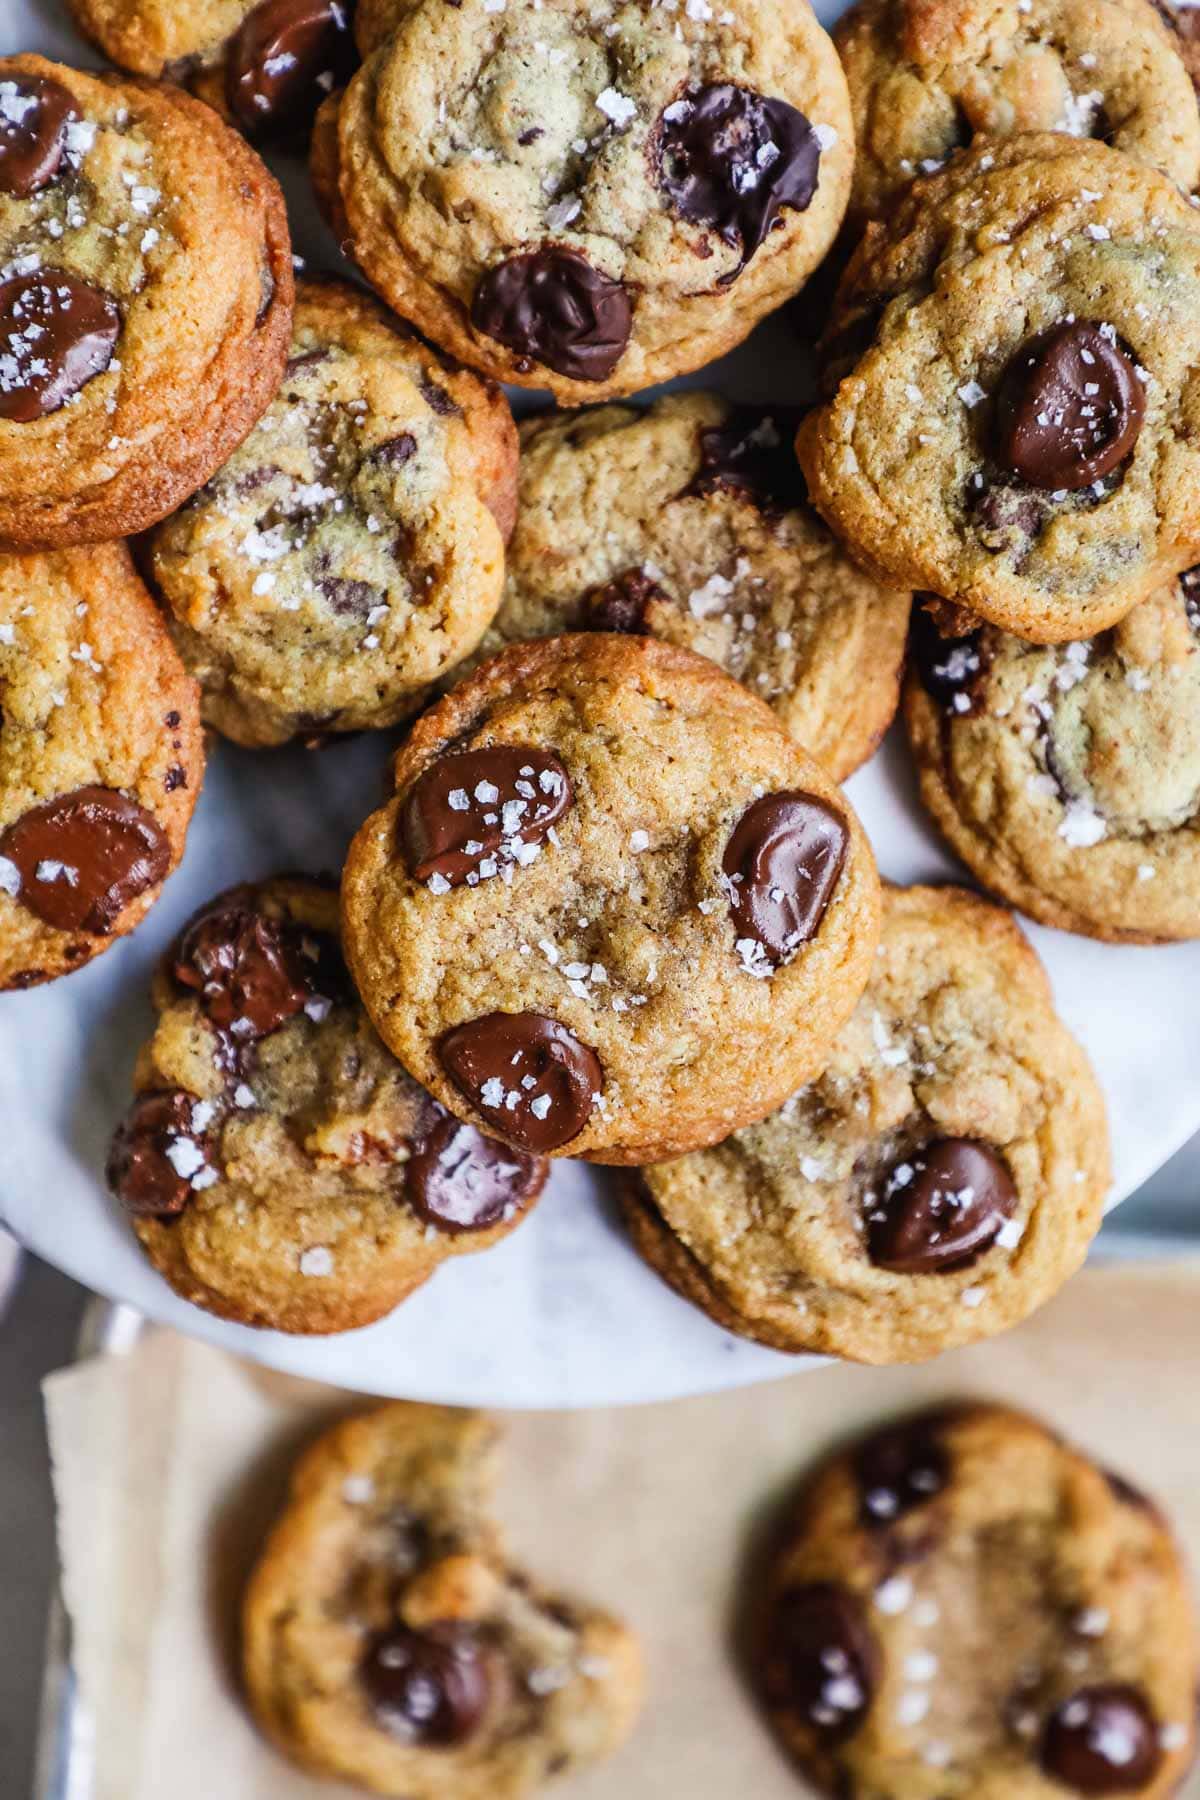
{"x": 1016, "y": 422}
{"x": 101, "y": 758}
{"x": 937, "y": 1183}
{"x": 591, "y": 202}
{"x": 928, "y": 76}
{"x": 145, "y": 304}
{"x": 687, "y": 521}
{"x": 963, "y": 1607}
{"x": 1068, "y": 779}
{"x": 345, "y": 556}
{"x": 278, "y": 1166}
{"x": 266, "y": 65}
{"x": 388, "y": 1641}
{"x": 612, "y": 911}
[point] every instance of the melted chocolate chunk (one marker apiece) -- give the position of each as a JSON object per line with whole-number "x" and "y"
{"x": 951, "y": 668}
{"x": 782, "y": 864}
{"x": 350, "y": 599}
{"x": 56, "y": 333}
{"x": 527, "y": 1074}
{"x": 34, "y": 115}
{"x": 440, "y": 400}
{"x": 553, "y": 307}
{"x": 84, "y": 857}
{"x": 733, "y": 159}
{"x": 430, "y": 1686}
{"x": 900, "y": 1469}
{"x": 160, "y": 1154}
{"x": 622, "y": 603}
{"x": 284, "y": 59}
{"x": 1070, "y": 407}
{"x": 254, "y": 973}
{"x": 396, "y": 451}
{"x": 473, "y": 811}
{"x": 1006, "y": 519}
{"x": 821, "y": 1662}
{"x": 940, "y": 1208}
{"x": 458, "y": 1180}
{"x": 752, "y": 453}
{"x": 1103, "y": 1740}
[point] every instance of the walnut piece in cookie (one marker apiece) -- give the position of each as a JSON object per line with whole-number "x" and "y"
{"x": 350, "y": 550}
{"x": 937, "y": 1183}
{"x": 927, "y": 77}
{"x": 278, "y": 1166}
{"x": 1013, "y": 400}
{"x": 961, "y": 1604}
{"x": 388, "y": 1640}
{"x": 1068, "y": 778}
{"x": 101, "y": 758}
{"x": 687, "y": 521}
{"x": 612, "y": 909}
{"x": 126, "y": 208}
{"x": 590, "y": 203}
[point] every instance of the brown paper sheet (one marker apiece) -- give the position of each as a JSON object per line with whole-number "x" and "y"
{"x": 169, "y": 1463}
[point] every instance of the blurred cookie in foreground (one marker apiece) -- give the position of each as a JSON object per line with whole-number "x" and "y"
{"x": 939, "y": 1182}
{"x": 1068, "y": 778}
{"x": 279, "y": 1167}
{"x": 101, "y": 758}
{"x": 963, "y": 1607}
{"x": 389, "y": 1642}
{"x": 687, "y": 521}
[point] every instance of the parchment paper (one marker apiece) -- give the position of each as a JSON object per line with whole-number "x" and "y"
{"x": 169, "y": 1464}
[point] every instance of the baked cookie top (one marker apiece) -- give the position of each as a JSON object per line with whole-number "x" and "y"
{"x": 612, "y": 910}
{"x": 278, "y": 1165}
{"x": 389, "y": 1641}
{"x": 1014, "y": 411}
{"x": 145, "y": 300}
{"x": 687, "y": 521}
{"x": 938, "y": 1182}
{"x": 101, "y": 758}
{"x": 345, "y": 556}
{"x": 928, "y": 76}
{"x": 1068, "y": 778}
{"x": 593, "y": 198}
{"x": 963, "y": 1607}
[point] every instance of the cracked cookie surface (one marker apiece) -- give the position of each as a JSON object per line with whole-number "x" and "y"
{"x": 940, "y": 1180}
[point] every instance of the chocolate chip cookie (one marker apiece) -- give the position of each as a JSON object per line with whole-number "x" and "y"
{"x": 278, "y": 1166}
{"x": 265, "y": 64}
{"x": 347, "y": 553}
{"x": 963, "y": 1607}
{"x": 591, "y": 202}
{"x": 101, "y": 758}
{"x": 388, "y": 1640}
{"x": 145, "y": 301}
{"x": 936, "y": 1184}
{"x": 687, "y": 521}
{"x": 1068, "y": 779}
{"x": 612, "y": 910}
{"x": 928, "y": 76}
{"x": 1015, "y": 409}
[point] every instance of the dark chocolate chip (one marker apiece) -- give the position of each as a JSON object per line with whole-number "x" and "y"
{"x": 622, "y": 603}
{"x": 782, "y": 864}
{"x": 1189, "y": 584}
{"x": 552, "y": 306}
{"x": 459, "y": 1180}
{"x": 821, "y": 1662}
{"x": 430, "y": 1686}
{"x": 84, "y": 857}
{"x": 254, "y": 973}
{"x": 752, "y": 453}
{"x": 283, "y": 61}
{"x": 440, "y": 400}
{"x": 157, "y": 1152}
{"x": 1103, "y": 1740}
{"x": 899, "y": 1469}
{"x": 172, "y": 721}
{"x": 351, "y": 599}
{"x": 941, "y": 1208}
{"x": 951, "y": 668}
{"x": 56, "y": 333}
{"x": 473, "y": 811}
{"x": 174, "y": 779}
{"x": 34, "y": 115}
{"x": 1070, "y": 407}
{"x": 1006, "y": 519}
{"x": 396, "y": 451}
{"x": 527, "y": 1074}
{"x": 733, "y": 159}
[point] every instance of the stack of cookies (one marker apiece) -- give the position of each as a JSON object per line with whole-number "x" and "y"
{"x": 616, "y": 906}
